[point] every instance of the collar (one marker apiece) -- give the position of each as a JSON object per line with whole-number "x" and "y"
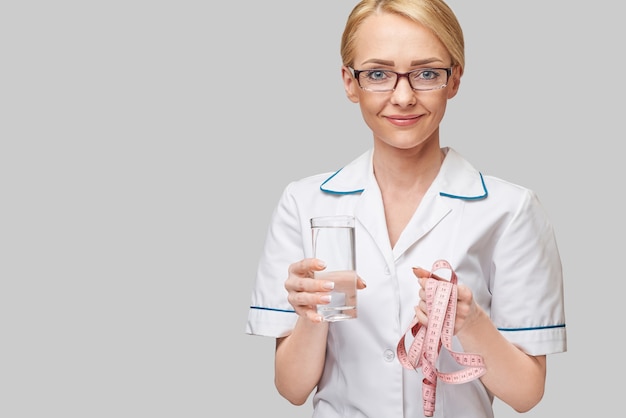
{"x": 457, "y": 178}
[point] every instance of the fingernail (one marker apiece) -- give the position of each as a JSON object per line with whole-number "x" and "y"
{"x": 326, "y": 298}
{"x": 329, "y": 285}
{"x": 321, "y": 263}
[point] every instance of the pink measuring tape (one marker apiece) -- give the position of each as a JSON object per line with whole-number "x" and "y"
{"x": 441, "y": 299}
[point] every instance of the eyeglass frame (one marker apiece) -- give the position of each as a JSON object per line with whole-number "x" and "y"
{"x": 355, "y": 74}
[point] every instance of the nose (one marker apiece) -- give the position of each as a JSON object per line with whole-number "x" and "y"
{"x": 403, "y": 94}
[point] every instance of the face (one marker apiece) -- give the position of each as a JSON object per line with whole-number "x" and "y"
{"x": 403, "y": 118}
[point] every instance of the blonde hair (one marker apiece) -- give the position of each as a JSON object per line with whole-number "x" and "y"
{"x": 435, "y": 15}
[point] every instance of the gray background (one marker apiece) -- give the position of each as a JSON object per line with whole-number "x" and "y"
{"x": 143, "y": 145}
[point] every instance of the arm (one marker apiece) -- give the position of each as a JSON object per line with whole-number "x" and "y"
{"x": 525, "y": 256}
{"x": 300, "y": 357}
{"x": 518, "y": 379}
{"x": 300, "y": 360}
{"x": 513, "y": 376}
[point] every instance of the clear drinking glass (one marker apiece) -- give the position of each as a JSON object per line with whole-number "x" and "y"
{"x": 333, "y": 242}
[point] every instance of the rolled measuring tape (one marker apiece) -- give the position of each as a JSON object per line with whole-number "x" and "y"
{"x": 441, "y": 299}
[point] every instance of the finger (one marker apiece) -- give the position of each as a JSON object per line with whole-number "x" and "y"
{"x": 420, "y": 272}
{"x": 305, "y": 266}
{"x": 360, "y": 283}
{"x": 303, "y": 286}
{"x": 422, "y": 318}
{"x": 301, "y": 278}
{"x": 307, "y": 300}
{"x": 309, "y": 313}
{"x": 313, "y": 316}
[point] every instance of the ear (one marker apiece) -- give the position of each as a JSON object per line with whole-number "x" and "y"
{"x": 455, "y": 81}
{"x": 350, "y": 84}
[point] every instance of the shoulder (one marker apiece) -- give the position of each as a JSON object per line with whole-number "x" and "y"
{"x": 460, "y": 179}
{"x": 350, "y": 179}
{"x": 488, "y": 194}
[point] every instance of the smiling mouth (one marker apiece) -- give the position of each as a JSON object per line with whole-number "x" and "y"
{"x": 402, "y": 120}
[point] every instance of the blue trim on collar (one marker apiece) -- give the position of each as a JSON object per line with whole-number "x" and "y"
{"x": 484, "y": 195}
{"x": 443, "y": 194}
{"x": 334, "y": 192}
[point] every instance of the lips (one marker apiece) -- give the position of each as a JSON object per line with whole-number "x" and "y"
{"x": 403, "y": 120}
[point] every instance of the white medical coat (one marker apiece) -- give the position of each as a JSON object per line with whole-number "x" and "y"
{"x": 495, "y": 235}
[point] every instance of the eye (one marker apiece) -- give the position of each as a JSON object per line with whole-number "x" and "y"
{"x": 427, "y": 74}
{"x": 377, "y": 75}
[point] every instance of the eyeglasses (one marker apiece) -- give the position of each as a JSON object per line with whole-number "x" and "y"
{"x": 422, "y": 79}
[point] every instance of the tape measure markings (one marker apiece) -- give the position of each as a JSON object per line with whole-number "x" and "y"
{"x": 441, "y": 299}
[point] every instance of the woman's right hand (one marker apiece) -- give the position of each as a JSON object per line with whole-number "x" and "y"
{"x": 305, "y": 292}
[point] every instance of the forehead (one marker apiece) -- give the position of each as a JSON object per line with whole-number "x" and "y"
{"x": 396, "y": 38}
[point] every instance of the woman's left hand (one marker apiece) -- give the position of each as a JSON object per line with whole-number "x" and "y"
{"x": 466, "y": 309}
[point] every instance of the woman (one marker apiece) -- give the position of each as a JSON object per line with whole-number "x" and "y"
{"x": 415, "y": 202}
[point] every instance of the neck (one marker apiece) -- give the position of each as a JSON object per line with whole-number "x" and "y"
{"x": 407, "y": 170}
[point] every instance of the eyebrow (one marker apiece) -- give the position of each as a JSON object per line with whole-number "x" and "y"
{"x": 391, "y": 63}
